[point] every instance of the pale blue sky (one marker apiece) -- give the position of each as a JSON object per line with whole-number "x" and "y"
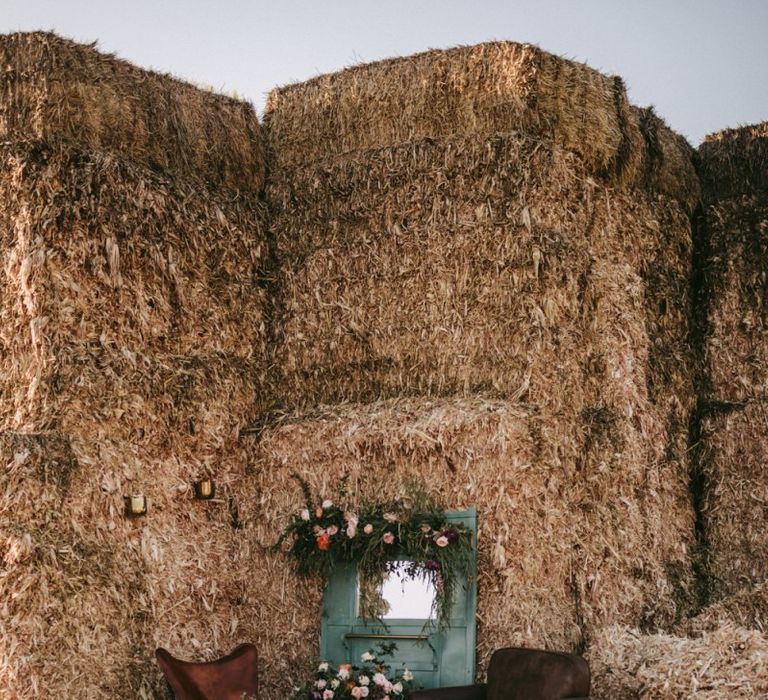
{"x": 702, "y": 63}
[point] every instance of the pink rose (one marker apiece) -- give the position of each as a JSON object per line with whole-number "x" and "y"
{"x": 327, "y": 694}
{"x": 389, "y": 538}
{"x": 379, "y": 678}
{"x": 442, "y": 541}
{"x": 351, "y": 526}
{"x": 332, "y": 530}
{"x": 368, "y": 529}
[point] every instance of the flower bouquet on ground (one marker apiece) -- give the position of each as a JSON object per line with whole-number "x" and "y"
{"x": 374, "y": 536}
{"x": 372, "y": 680}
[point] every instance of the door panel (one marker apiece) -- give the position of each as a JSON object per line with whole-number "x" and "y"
{"x": 438, "y": 658}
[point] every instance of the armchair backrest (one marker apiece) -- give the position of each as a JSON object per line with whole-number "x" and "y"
{"x": 232, "y": 677}
{"x": 533, "y": 674}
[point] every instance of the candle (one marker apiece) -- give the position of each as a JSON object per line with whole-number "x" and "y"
{"x": 136, "y": 504}
{"x": 205, "y": 489}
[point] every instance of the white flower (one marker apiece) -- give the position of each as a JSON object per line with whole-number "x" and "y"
{"x": 305, "y": 514}
{"x": 320, "y": 684}
{"x": 407, "y": 675}
{"x": 380, "y": 679}
{"x": 343, "y": 674}
{"x": 335, "y": 683}
{"x": 363, "y": 680}
{"x": 327, "y": 504}
{"x": 367, "y": 656}
{"x": 323, "y": 667}
{"x": 398, "y": 687}
{"x": 327, "y": 694}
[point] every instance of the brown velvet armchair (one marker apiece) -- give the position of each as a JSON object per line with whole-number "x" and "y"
{"x": 230, "y": 678}
{"x": 523, "y": 674}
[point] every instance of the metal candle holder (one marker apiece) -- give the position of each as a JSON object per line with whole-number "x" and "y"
{"x": 205, "y": 489}
{"x": 135, "y": 505}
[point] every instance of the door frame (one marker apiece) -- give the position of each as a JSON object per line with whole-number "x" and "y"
{"x": 453, "y": 648}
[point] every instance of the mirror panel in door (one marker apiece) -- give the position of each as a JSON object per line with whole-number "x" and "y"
{"x": 400, "y": 596}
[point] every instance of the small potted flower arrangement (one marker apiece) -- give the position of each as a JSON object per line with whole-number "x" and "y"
{"x": 323, "y": 534}
{"x": 372, "y": 679}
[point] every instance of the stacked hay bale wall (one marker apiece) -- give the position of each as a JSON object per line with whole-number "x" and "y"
{"x": 734, "y": 423}
{"x": 483, "y": 285}
{"x": 498, "y": 226}
{"x": 722, "y": 651}
{"x": 132, "y": 335}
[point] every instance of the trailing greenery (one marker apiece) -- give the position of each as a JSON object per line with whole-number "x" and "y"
{"x": 375, "y": 536}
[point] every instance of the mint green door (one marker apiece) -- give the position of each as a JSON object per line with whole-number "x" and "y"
{"x": 437, "y": 658}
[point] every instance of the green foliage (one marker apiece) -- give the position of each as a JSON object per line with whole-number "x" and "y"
{"x": 374, "y": 536}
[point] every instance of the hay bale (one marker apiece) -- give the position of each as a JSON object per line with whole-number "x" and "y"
{"x": 727, "y": 663}
{"x": 88, "y": 594}
{"x": 71, "y": 597}
{"x": 736, "y": 311}
{"x": 479, "y": 90}
{"x": 578, "y": 526}
{"x": 483, "y": 90}
{"x": 471, "y": 266}
{"x": 59, "y": 91}
{"x": 734, "y": 430}
{"x": 125, "y": 294}
{"x": 85, "y": 233}
{"x": 734, "y": 507}
{"x": 132, "y": 317}
{"x": 286, "y": 634}
{"x": 747, "y": 608}
{"x": 734, "y": 162}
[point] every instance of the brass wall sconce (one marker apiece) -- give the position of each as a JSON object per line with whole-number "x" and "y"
{"x": 135, "y": 505}
{"x": 205, "y": 489}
